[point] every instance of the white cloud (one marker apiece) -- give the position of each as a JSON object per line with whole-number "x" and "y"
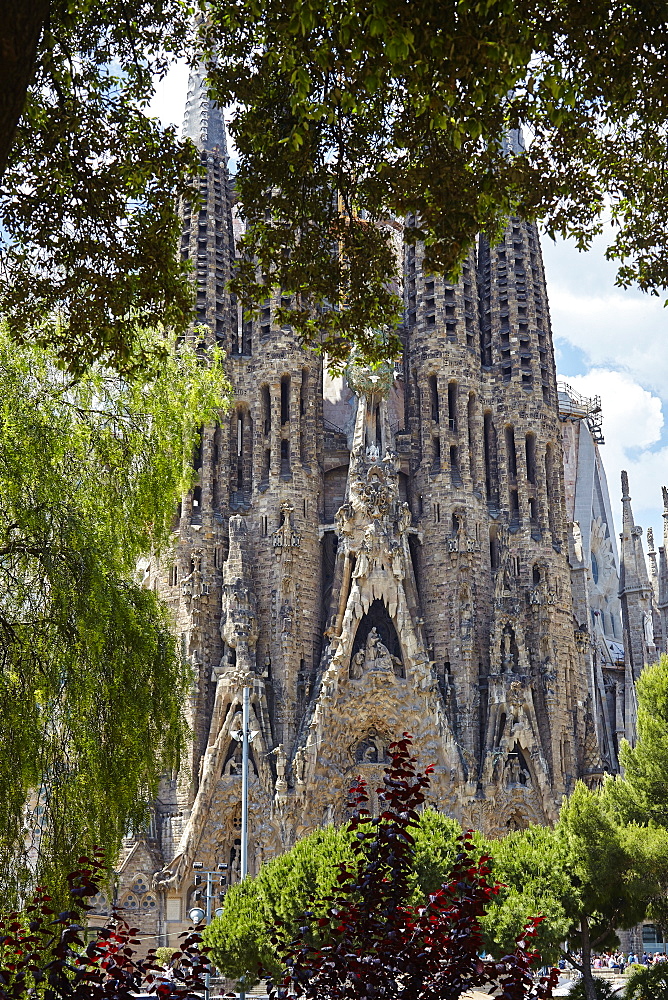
{"x": 169, "y": 100}
{"x": 616, "y": 328}
{"x": 633, "y": 423}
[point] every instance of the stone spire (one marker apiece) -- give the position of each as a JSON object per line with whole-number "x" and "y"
{"x": 653, "y": 567}
{"x": 633, "y": 572}
{"x": 635, "y": 589}
{"x": 663, "y": 571}
{"x": 203, "y": 120}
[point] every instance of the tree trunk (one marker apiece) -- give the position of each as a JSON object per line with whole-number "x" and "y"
{"x": 21, "y": 23}
{"x": 587, "y": 978}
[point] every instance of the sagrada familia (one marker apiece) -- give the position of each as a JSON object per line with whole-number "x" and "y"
{"x": 427, "y": 547}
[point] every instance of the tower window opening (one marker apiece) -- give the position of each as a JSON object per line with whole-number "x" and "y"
{"x": 266, "y": 409}
{"x": 490, "y": 461}
{"x": 493, "y": 548}
{"x": 266, "y": 466}
{"x": 303, "y": 397}
{"x": 437, "y": 450}
{"x": 240, "y": 434}
{"x": 437, "y": 513}
{"x": 285, "y": 399}
{"x": 470, "y": 415}
{"x": 536, "y": 575}
{"x": 197, "y": 496}
{"x": 549, "y": 491}
{"x": 452, "y": 405}
{"x": 433, "y": 392}
{"x": 514, "y": 509}
{"x": 533, "y": 510}
{"x": 197, "y": 450}
{"x": 303, "y": 394}
{"x": 285, "y": 457}
{"x": 530, "y": 452}
{"x": 511, "y": 453}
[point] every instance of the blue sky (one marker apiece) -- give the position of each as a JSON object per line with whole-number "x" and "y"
{"x": 609, "y": 342}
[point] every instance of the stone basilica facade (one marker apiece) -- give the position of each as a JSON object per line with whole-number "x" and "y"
{"x": 399, "y": 550}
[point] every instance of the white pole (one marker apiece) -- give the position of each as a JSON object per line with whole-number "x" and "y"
{"x": 209, "y": 894}
{"x": 244, "y": 802}
{"x": 244, "y": 785}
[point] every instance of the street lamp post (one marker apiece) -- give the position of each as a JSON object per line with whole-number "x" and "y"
{"x": 245, "y": 736}
{"x": 197, "y": 914}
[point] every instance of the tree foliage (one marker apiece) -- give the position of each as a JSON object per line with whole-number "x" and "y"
{"x": 533, "y": 868}
{"x": 268, "y": 909}
{"x": 617, "y": 868}
{"x": 649, "y": 983}
{"x": 91, "y": 683}
{"x": 367, "y": 903}
{"x": 88, "y": 201}
{"x": 43, "y": 952}
{"x": 641, "y": 794}
{"x": 378, "y": 943}
{"x": 262, "y": 912}
{"x": 353, "y": 115}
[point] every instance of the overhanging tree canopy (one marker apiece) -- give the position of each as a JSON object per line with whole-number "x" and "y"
{"x": 354, "y": 113}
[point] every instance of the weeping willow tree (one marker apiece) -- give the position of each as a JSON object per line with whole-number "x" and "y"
{"x": 91, "y": 682}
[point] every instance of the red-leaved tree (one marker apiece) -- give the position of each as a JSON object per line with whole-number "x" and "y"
{"x": 43, "y": 953}
{"x": 379, "y": 946}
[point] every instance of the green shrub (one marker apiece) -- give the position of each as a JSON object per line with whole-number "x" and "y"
{"x": 602, "y": 987}
{"x": 648, "y": 983}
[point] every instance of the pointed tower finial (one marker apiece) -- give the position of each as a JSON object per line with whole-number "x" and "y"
{"x": 663, "y": 561}
{"x": 203, "y": 120}
{"x": 625, "y": 486}
{"x": 653, "y": 565}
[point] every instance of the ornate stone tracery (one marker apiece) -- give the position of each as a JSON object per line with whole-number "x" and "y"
{"x": 398, "y": 565}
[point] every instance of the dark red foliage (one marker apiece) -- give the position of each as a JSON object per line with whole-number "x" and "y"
{"x": 379, "y": 947}
{"x": 44, "y": 953}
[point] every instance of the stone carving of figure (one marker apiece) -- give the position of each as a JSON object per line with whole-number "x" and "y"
{"x": 362, "y": 563}
{"x": 286, "y": 619}
{"x": 299, "y": 766}
{"x": 375, "y": 656}
{"x": 343, "y": 517}
{"x": 549, "y": 677}
{"x": 373, "y": 452}
{"x": 285, "y": 537}
{"x": 357, "y": 665}
{"x": 508, "y": 660}
{"x": 515, "y": 770}
{"x": 648, "y": 628}
{"x": 281, "y": 762}
{"x": 405, "y": 518}
{"x": 191, "y": 585}
{"x": 397, "y": 562}
{"x": 466, "y": 623}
